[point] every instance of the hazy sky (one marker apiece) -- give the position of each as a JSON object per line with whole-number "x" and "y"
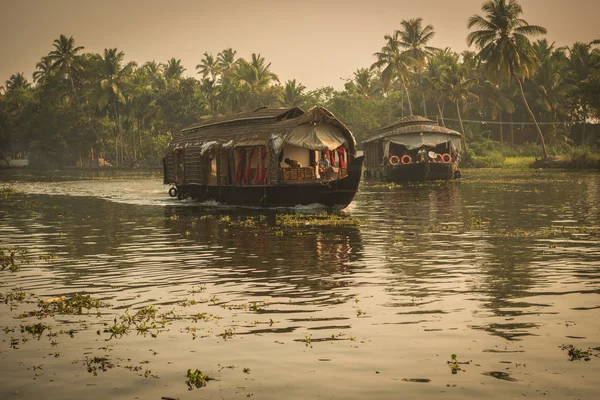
{"x": 319, "y": 43}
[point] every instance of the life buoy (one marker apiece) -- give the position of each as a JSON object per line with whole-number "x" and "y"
{"x": 406, "y": 159}
{"x": 394, "y": 160}
{"x": 446, "y": 157}
{"x": 173, "y": 191}
{"x": 438, "y": 157}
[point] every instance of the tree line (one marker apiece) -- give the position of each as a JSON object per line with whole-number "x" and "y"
{"x": 83, "y": 105}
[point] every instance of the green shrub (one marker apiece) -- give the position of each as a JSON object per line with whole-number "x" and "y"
{"x": 493, "y": 159}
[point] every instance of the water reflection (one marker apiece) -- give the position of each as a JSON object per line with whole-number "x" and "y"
{"x": 295, "y": 262}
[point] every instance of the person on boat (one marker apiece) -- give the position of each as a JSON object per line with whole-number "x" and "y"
{"x": 325, "y": 169}
{"x": 293, "y": 163}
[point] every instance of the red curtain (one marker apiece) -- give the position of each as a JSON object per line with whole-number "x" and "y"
{"x": 342, "y": 156}
{"x": 250, "y": 153}
{"x": 240, "y": 167}
{"x": 261, "y": 175}
{"x": 333, "y": 162}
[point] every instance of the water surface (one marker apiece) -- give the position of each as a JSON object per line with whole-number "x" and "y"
{"x": 501, "y": 269}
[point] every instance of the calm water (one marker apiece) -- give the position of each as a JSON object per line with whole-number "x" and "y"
{"x": 501, "y": 269}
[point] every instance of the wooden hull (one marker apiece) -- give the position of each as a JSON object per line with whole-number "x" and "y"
{"x": 414, "y": 172}
{"x": 337, "y": 193}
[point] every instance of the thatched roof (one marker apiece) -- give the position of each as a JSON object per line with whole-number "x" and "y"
{"x": 261, "y": 125}
{"x": 411, "y": 124}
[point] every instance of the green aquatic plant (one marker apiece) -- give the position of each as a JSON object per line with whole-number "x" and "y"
{"x": 576, "y": 354}
{"x": 9, "y": 192}
{"x": 196, "y": 379}
{"x": 314, "y": 220}
{"x": 95, "y": 364}
{"x": 12, "y": 258}
{"x": 36, "y": 330}
{"x": 454, "y": 364}
{"x": 227, "y": 334}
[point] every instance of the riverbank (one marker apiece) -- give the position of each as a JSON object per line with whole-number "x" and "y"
{"x": 490, "y": 154}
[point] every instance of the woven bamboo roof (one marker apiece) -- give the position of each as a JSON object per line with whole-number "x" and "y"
{"x": 262, "y": 124}
{"x": 411, "y": 124}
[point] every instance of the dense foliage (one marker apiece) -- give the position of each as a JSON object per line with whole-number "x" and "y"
{"x": 532, "y": 94}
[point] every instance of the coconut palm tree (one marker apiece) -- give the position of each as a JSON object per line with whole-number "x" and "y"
{"x": 255, "y": 74}
{"x": 292, "y": 93}
{"x": 43, "y": 70}
{"x": 582, "y": 61}
{"x": 114, "y": 82}
{"x": 173, "y": 71}
{"x": 457, "y": 84}
{"x": 434, "y": 77}
{"x": 226, "y": 61}
{"x": 394, "y": 63}
{"x": 17, "y": 81}
{"x": 550, "y": 80}
{"x": 363, "y": 83}
{"x": 209, "y": 66}
{"x": 413, "y": 39}
{"x": 66, "y": 61}
{"x": 493, "y": 98}
{"x": 504, "y": 46}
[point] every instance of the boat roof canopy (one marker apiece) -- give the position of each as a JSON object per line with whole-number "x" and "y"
{"x": 316, "y": 129}
{"x": 409, "y": 126}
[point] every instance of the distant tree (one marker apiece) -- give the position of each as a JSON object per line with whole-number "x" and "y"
{"x": 292, "y": 94}
{"x": 208, "y": 67}
{"x": 394, "y": 63}
{"x": 114, "y": 82}
{"x": 65, "y": 60}
{"x": 17, "y": 81}
{"x": 504, "y": 46}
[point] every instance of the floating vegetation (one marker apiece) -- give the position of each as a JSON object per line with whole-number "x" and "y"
{"x": 9, "y": 192}
{"x": 65, "y": 306}
{"x": 454, "y": 364}
{"x": 196, "y": 379}
{"x": 13, "y": 258}
{"x": 16, "y": 296}
{"x": 228, "y": 334}
{"x": 314, "y": 220}
{"x": 96, "y": 364}
{"x": 576, "y": 354}
{"x": 554, "y": 231}
{"x": 36, "y": 330}
{"x": 144, "y": 321}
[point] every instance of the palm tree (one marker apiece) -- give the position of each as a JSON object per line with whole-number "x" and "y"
{"x": 550, "y": 80}
{"x": 173, "y": 70}
{"x": 492, "y": 97}
{"x": 112, "y": 87}
{"x": 394, "y": 64}
{"x": 226, "y": 61}
{"x": 65, "y": 60}
{"x": 457, "y": 85}
{"x": 43, "y": 71}
{"x": 208, "y": 66}
{"x": 413, "y": 39}
{"x": 17, "y": 81}
{"x": 504, "y": 46}
{"x": 434, "y": 77}
{"x": 292, "y": 93}
{"x": 364, "y": 83}
{"x": 582, "y": 61}
{"x": 255, "y": 74}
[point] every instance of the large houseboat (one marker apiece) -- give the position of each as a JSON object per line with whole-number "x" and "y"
{"x": 413, "y": 149}
{"x": 267, "y": 157}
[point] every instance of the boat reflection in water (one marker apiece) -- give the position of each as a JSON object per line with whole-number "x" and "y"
{"x": 256, "y": 249}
